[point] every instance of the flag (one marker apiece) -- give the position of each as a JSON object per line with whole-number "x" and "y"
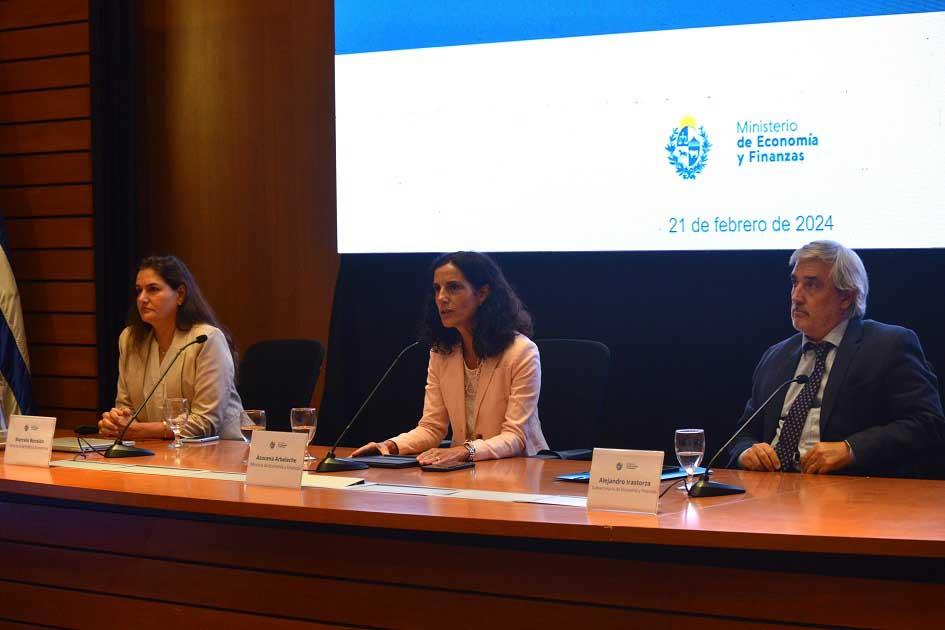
{"x": 17, "y": 396}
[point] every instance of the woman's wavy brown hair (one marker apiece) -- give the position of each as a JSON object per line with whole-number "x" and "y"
{"x": 498, "y": 318}
{"x": 194, "y": 310}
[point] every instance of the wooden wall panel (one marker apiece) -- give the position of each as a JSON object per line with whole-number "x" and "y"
{"x": 46, "y": 196}
{"x": 63, "y": 39}
{"x": 50, "y": 233}
{"x": 48, "y": 137}
{"x": 38, "y": 170}
{"x": 50, "y": 607}
{"x": 46, "y": 201}
{"x": 53, "y": 264}
{"x": 20, "y": 13}
{"x": 68, "y": 418}
{"x": 45, "y": 105}
{"x": 58, "y": 297}
{"x": 63, "y": 361}
{"x": 45, "y": 73}
{"x": 236, "y": 117}
{"x": 72, "y": 393}
{"x": 60, "y": 328}
{"x": 241, "y": 598}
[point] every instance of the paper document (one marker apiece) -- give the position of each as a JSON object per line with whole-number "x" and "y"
{"x": 96, "y": 465}
{"x": 580, "y": 502}
{"x": 491, "y": 495}
{"x": 420, "y": 490}
{"x": 167, "y": 471}
{"x": 221, "y": 476}
{"x": 329, "y": 481}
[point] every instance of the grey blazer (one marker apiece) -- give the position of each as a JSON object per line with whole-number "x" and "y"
{"x": 204, "y": 374}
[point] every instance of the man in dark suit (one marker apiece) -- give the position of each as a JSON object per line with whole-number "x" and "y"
{"x": 871, "y": 404}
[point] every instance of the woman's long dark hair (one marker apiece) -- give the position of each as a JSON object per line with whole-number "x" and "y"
{"x": 194, "y": 310}
{"x": 498, "y": 318}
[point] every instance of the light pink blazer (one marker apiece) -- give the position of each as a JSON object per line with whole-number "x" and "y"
{"x": 506, "y": 406}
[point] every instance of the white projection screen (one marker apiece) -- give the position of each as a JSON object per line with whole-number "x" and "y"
{"x": 505, "y": 125}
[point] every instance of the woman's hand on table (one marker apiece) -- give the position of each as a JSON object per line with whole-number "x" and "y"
{"x": 388, "y": 447}
{"x": 443, "y": 456}
{"x": 113, "y": 422}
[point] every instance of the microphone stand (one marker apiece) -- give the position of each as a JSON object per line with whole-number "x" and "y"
{"x": 330, "y": 463}
{"x": 122, "y": 450}
{"x": 707, "y": 488}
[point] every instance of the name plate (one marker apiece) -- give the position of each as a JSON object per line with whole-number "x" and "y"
{"x": 29, "y": 440}
{"x": 625, "y": 480}
{"x": 276, "y": 459}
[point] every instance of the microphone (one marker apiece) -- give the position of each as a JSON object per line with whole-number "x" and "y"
{"x": 332, "y": 464}
{"x": 706, "y": 488}
{"x": 120, "y": 450}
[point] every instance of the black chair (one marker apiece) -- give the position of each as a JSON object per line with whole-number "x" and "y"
{"x": 574, "y": 376}
{"x": 278, "y": 375}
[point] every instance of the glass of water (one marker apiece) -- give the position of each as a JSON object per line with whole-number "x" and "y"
{"x": 176, "y": 412}
{"x": 252, "y": 420}
{"x": 690, "y": 447}
{"x": 304, "y": 420}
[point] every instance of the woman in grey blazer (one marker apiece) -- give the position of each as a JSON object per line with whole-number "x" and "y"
{"x": 169, "y": 312}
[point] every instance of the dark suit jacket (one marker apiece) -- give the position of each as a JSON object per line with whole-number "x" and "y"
{"x": 881, "y": 396}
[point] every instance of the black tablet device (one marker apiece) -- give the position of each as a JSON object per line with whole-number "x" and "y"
{"x": 669, "y": 472}
{"x": 385, "y": 461}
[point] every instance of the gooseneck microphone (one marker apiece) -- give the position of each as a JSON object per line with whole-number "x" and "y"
{"x": 120, "y": 450}
{"x": 332, "y": 464}
{"x": 706, "y": 488}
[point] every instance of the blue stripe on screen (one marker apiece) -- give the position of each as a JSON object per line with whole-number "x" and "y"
{"x": 375, "y": 25}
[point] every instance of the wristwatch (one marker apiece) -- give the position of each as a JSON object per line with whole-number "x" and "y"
{"x": 470, "y": 450}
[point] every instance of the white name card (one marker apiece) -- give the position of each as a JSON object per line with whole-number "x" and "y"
{"x": 29, "y": 440}
{"x": 625, "y": 480}
{"x": 276, "y": 458}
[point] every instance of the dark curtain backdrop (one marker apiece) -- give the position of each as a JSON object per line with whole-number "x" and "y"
{"x": 686, "y": 331}
{"x": 111, "y": 26}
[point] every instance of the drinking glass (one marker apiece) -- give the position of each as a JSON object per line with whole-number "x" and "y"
{"x": 304, "y": 420}
{"x": 690, "y": 447}
{"x": 176, "y": 412}
{"x": 252, "y": 420}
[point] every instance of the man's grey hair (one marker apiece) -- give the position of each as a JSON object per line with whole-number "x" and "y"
{"x": 847, "y": 271}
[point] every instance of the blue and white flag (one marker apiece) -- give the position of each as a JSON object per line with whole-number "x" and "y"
{"x": 17, "y": 391}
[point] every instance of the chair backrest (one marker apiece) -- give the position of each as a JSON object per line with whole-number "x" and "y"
{"x": 280, "y": 374}
{"x": 574, "y": 376}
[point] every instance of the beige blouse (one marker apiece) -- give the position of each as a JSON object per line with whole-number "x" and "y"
{"x": 204, "y": 374}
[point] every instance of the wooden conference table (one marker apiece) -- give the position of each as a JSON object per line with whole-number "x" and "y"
{"x": 84, "y": 548}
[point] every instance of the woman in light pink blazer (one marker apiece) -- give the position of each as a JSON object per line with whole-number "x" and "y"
{"x": 484, "y": 375}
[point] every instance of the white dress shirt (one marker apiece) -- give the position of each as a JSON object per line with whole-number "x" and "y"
{"x": 810, "y": 434}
